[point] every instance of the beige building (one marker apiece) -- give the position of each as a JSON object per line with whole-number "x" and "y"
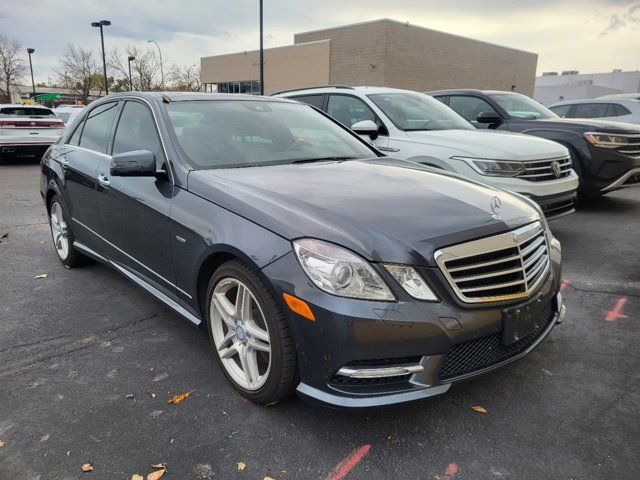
{"x": 377, "y": 53}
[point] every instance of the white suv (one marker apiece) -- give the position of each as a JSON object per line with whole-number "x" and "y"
{"x": 27, "y": 130}
{"x": 414, "y": 126}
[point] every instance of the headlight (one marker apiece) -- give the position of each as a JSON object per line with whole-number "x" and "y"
{"x": 606, "y": 140}
{"x": 340, "y": 272}
{"x": 494, "y": 168}
{"x": 412, "y": 282}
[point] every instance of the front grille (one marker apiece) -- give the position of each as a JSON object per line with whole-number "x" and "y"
{"x": 503, "y": 267}
{"x": 473, "y": 355}
{"x": 543, "y": 170}
{"x": 559, "y": 208}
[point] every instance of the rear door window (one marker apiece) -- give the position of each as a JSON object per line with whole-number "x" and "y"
{"x": 469, "y": 107}
{"x": 315, "y": 100}
{"x": 97, "y": 127}
{"x": 27, "y": 111}
{"x": 590, "y": 110}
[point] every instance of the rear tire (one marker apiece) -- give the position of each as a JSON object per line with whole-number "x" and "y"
{"x": 249, "y": 334}
{"x": 62, "y": 235}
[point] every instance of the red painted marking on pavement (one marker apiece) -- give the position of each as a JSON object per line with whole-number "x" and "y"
{"x": 346, "y": 465}
{"x": 615, "y": 313}
{"x": 450, "y": 472}
{"x": 564, "y": 284}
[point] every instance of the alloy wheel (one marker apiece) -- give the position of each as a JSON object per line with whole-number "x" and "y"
{"x": 240, "y": 333}
{"x": 59, "y": 231}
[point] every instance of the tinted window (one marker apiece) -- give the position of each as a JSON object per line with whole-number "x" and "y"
{"x": 97, "y": 127}
{"x": 349, "y": 110}
{"x": 469, "y": 107}
{"x": 416, "y": 111}
{"x": 137, "y": 131}
{"x": 26, "y": 111}
{"x": 590, "y": 110}
{"x": 217, "y": 133}
{"x": 620, "y": 110}
{"x": 315, "y": 100}
{"x": 76, "y": 135}
{"x": 561, "y": 110}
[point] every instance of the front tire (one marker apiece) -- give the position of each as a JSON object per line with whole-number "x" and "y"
{"x": 63, "y": 235}
{"x": 250, "y": 334}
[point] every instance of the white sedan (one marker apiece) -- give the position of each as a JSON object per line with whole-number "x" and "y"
{"x": 27, "y": 130}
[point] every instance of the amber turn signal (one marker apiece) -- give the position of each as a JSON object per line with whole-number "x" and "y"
{"x": 299, "y": 306}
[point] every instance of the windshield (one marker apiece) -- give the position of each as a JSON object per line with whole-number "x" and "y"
{"x": 241, "y": 133}
{"x": 26, "y": 111}
{"x": 521, "y": 106}
{"x": 416, "y": 111}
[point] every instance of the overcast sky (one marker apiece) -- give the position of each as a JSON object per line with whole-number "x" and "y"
{"x": 585, "y": 35}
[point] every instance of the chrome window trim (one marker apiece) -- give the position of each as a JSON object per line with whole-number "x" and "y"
{"x": 132, "y": 258}
{"x": 491, "y": 244}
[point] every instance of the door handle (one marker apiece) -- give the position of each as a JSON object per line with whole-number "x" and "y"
{"x": 64, "y": 163}
{"x": 104, "y": 180}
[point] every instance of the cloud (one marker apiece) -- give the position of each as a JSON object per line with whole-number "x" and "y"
{"x": 630, "y": 18}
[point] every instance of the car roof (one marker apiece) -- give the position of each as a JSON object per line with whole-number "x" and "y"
{"x": 455, "y": 91}
{"x": 621, "y": 101}
{"x": 364, "y": 90}
{"x": 169, "y": 97}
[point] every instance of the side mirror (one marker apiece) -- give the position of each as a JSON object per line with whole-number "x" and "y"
{"x": 366, "y": 127}
{"x": 488, "y": 117}
{"x": 139, "y": 163}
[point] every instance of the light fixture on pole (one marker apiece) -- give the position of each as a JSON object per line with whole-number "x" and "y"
{"x": 161, "y": 69}
{"x": 100, "y": 24}
{"x": 33, "y": 84}
{"x": 130, "y": 59}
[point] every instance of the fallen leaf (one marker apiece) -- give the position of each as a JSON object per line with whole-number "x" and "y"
{"x": 547, "y": 372}
{"x": 1, "y": 443}
{"x": 153, "y": 395}
{"x": 68, "y": 453}
{"x": 42, "y": 242}
{"x": 178, "y": 398}
{"x": 172, "y": 440}
{"x": 135, "y": 476}
{"x": 87, "y": 467}
{"x": 241, "y": 466}
{"x": 44, "y": 438}
{"x": 159, "y": 465}
{"x": 4, "y": 235}
{"x": 479, "y": 409}
{"x": 41, "y": 275}
{"x": 130, "y": 395}
{"x": 271, "y": 404}
{"x": 156, "y": 475}
{"x": 268, "y": 478}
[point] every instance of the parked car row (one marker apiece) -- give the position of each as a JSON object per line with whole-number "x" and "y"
{"x": 356, "y": 245}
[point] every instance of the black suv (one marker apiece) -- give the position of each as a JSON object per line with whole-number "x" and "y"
{"x": 606, "y": 155}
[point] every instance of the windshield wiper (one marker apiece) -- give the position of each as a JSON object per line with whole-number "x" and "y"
{"x": 323, "y": 159}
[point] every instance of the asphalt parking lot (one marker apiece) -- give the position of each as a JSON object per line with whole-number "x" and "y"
{"x": 88, "y": 362}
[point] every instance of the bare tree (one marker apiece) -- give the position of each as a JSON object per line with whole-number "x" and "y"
{"x": 144, "y": 69}
{"x": 79, "y": 71}
{"x": 12, "y": 66}
{"x": 184, "y": 79}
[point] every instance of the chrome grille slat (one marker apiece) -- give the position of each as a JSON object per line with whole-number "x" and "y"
{"x": 540, "y": 170}
{"x": 492, "y": 280}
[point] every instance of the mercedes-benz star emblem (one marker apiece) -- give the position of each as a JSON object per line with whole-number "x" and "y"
{"x": 496, "y": 205}
{"x": 556, "y": 169}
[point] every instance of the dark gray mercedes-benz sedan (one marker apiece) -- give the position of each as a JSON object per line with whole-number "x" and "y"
{"x": 316, "y": 264}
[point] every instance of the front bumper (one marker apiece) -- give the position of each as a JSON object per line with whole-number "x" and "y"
{"x": 608, "y": 170}
{"x": 366, "y": 336}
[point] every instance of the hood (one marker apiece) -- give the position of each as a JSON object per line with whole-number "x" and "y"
{"x": 490, "y": 144}
{"x": 589, "y": 124}
{"x": 383, "y": 209}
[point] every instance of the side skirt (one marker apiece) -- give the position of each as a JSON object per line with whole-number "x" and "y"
{"x": 137, "y": 280}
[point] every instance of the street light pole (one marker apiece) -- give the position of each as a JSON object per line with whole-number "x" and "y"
{"x": 261, "y": 51}
{"x": 33, "y": 84}
{"x": 103, "y": 23}
{"x": 161, "y": 69}
{"x": 130, "y": 59}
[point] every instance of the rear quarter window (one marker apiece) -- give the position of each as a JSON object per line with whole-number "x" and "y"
{"x": 27, "y": 111}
